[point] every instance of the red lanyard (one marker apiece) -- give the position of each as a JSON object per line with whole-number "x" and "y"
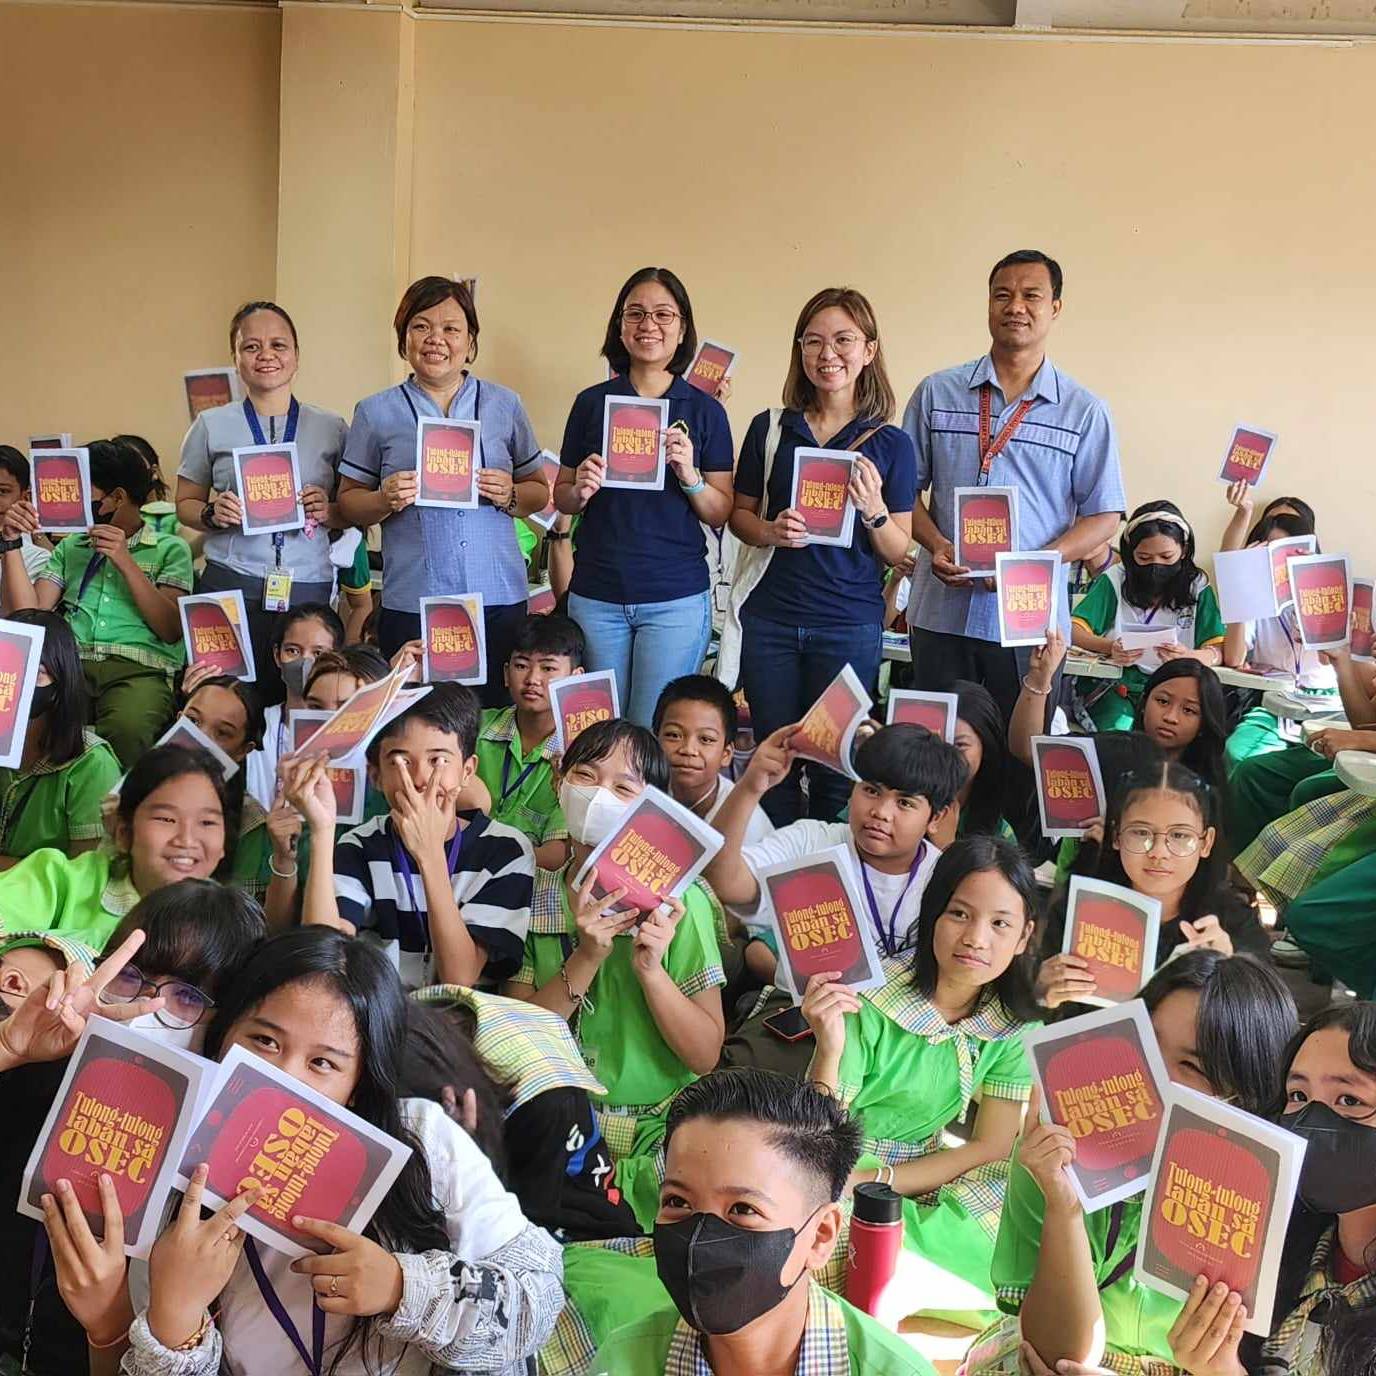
{"x": 988, "y": 452}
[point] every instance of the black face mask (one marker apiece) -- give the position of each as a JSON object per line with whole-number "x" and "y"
{"x": 1158, "y": 577}
{"x": 102, "y": 518}
{"x": 722, "y": 1277}
{"x": 1339, "y": 1171}
{"x": 43, "y": 698}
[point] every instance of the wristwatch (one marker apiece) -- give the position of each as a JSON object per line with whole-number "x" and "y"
{"x": 881, "y": 519}
{"x": 208, "y": 516}
{"x": 6, "y": 546}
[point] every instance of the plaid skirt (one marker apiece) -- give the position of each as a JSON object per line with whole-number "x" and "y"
{"x": 1290, "y": 853}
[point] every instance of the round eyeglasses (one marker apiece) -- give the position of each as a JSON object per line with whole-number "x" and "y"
{"x": 183, "y": 1004}
{"x": 1141, "y": 840}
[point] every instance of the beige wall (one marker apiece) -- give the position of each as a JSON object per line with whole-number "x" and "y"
{"x": 138, "y": 180}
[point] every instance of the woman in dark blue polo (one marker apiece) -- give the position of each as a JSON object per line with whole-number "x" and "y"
{"x": 815, "y": 608}
{"x": 640, "y": 585}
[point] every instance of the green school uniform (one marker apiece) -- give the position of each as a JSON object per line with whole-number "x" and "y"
{"x": 1104, "y": 608}
{"x": 251, "y": 867}
{"x": 1262, "y": 789}
{"x": 162, "y": 516}
{"x": 838, "y": 1340}
{"x": 526, "y": 539}
{"x": 1137, "y": 1319}
{"x": 53, "y": 805}
{"x": 1295, "y": 1346}
{"x": 521, "y": 785}
{"x": 79, "y": 897}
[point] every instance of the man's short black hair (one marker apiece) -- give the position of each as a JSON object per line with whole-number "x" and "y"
{"x": 699, "y": 688}
{"x": 15, "y": 464}
{"x": 910, "y": 759}
{"x": 553, "y": 634}
{"x": 1031, "y": 255}
{"x": 116, "y": 465}
{"x": 450, "y": 707}
{"x": 808, "y": 1127}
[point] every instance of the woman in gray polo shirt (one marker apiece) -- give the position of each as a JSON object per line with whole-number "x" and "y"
{"x": 262, "y": 341}
{"x": 440, "y": 551}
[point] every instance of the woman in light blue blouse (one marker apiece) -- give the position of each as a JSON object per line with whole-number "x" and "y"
{"x": 435, "y": 551}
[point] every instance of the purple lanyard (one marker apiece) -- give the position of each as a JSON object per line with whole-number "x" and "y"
{"x": 279, "y": 537}
{"x": 1294, "y": 649}
{"x": 888, "y": 939}
{"x": 401, "y": 862}
{"x": 314, "y": 1358}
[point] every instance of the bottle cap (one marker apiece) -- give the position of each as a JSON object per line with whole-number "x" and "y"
{"x": 876, "y": 1203}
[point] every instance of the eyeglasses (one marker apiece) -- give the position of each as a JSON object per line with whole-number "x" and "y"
{"x": 183, "y": 1004}
{"x": 1141, "y": 840}
{"x": 637, "y": 315}
{"x": 843, "y": 343}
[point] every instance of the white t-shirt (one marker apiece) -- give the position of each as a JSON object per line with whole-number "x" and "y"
{"x": 802, "y": 839}
{"x": 757, "y": 828}
{"x": 260, "y": 769}
{"x": 480, "y": 1218}
{"x": 1275, "y": 644}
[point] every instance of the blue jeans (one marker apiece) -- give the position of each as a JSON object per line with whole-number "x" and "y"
{"x": 784, "y": 670}
{"x": 645, "y": 644}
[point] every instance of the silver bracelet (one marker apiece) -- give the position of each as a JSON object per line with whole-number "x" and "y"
{"x": 1036, "y": 692}
{"x": 272, "y": 865}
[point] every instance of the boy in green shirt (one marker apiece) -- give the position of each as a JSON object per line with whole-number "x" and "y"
{"x": 755, "y": 1167}
{"x": 516, "y": 744}
{"x": 118, "y": 586}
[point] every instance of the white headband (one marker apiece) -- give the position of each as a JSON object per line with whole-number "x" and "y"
{"x": 1169, "y": 517}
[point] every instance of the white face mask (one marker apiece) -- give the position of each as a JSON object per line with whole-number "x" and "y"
{"x": 591, "y": 813}
{"x": 182, "y": 1038}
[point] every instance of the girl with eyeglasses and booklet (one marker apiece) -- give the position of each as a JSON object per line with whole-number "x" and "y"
{"x": 1161, "y": 839}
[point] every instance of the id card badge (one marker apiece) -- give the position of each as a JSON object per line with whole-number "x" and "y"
{"x": 277, "y": 591}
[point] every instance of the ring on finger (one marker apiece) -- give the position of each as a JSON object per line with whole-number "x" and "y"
{"x": 334, "y": 1287}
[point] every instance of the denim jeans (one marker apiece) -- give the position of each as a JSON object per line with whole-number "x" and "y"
{"x": 784, "y": 670}
{"x": 645, "y": 644}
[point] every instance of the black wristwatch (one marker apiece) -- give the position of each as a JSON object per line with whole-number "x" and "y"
{"x": 208, "y": 516}
{"x": 880, "y": 520}
{"x": 6, "y": 546}
{"x": 558, "y": 535}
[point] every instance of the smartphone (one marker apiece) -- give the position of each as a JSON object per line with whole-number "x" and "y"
{"x": 789, "y": 1024}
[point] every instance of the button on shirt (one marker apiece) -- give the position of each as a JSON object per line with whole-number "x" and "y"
{"x": 208, "y": 459}
{"x": 433, "y": 551}
{"x": 1063, "y": 460}
{"x": 644, "y": 546}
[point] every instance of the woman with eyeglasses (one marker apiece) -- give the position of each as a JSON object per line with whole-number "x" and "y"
{"x": 431, "y": 551}
{"x": 171, "y": 955}
{"x": 1162, "y": 840}
{"x": 806, "y": 610}
{"x": 640, "y": 581}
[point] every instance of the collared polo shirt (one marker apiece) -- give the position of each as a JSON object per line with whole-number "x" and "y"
{"x": 824, "y": 585}
{"x": 1063, "y": 460}
{"x": 435, "y": 551}
{"x": 521, "y": 785}
{"x": 208, "y": 459}
{"x": 102, "y": 612}
{"x": 52, "y": 805}
{"x": 644, "y": 546}
{"x": 81, "y": 898}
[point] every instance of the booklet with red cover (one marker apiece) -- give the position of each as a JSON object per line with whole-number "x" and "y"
{"x": 59, "y": 441}
{"x": 21, "y": 647}
{"x": 711, "y": 367}
{"x": 1218, "y": 1203}
{"x": 308, "y": 1155}
{"x": 821, "y": 494}
{"x": 207, "y": 387}
{"x": 1321, "y": 585}
{"x": 827, "y": 733}
{"x": 1027, "y": 591}
{"x": 449, "y": 454}
{"x": 986, "y": 526}
{"x": 580, "y": 701}
{"x": 1249, "y": 451}
{"x": 215, "y": 631}
{"x": 268, "y": 480}
{"x": 1361, "y": 640}
{"x": 1101, "y": 1075}
{"x": 1070, "y": 788}
{"x": 935, "y": 711}
{"x": 349, "y": 782}
{"x": 124, "y": 1109}
{"x": 549, "y": 466}
{"x": 1114, "y": 930}
{"x": 345, "y": 735}
{"x": 185, "y": 733}
{"x": 658, "y": 848}
{"x": 633, "y": 442}
{"x": 1282, "y": 551}
{"x": 60, "y": 483}
{"x": 818, "y": 915}
{"x": 455, "y": 639}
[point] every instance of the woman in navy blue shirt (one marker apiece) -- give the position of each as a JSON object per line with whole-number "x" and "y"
{"x": 819, "y": 607}
{"x": 640, "y": 585}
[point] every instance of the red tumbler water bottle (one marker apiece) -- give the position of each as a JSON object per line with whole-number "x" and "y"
{"x": 876, "y": 1234}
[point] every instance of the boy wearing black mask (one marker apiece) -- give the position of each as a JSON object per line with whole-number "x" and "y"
{"x": 755, "y": 1166}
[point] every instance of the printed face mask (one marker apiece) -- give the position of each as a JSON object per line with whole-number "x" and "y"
{"x": 591, "y": 813}
{"x": 1339, "y": 1171}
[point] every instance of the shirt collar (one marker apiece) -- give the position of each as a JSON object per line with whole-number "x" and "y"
{"x": 120, "y": 895}
{"x": 426, "y": 404}
{"x": 797, "y": 422}
{"x": 916, "y": 1013}
{"x": 1045, "y": 384}
{"x": 501, "y": 730}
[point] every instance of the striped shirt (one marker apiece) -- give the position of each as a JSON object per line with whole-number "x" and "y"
{"x": 493, "y": 869}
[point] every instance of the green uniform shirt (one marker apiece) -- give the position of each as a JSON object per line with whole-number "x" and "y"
{"x": 79, "y": 898}
{"x": 103, "y": 615}
{"x": 359, "y": 574}
{"x": 527, "y": 539}
{"x": 1136, "y": 1318}
{"x": 1100, "y": 613}
{"x": 522, "y": 786}
{"x": 52, "y": 805}
{"x": 617, "y": 1033}
{"x": 838, "y": 1341}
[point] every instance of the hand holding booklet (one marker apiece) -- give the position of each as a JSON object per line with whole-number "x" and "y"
{"x": 1114, "y": 931}
{"x": 1070, "y": 786}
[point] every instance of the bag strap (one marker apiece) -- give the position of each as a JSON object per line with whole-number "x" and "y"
{"x": 771, "y": 449}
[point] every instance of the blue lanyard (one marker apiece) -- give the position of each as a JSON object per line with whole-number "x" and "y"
{"x": 401, "y": 862}
{"x": 279, "y": 537}
{"x": 888, "y": 937}
{"x": 509, "y": 788}
{"x": 315, "y": 1357}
